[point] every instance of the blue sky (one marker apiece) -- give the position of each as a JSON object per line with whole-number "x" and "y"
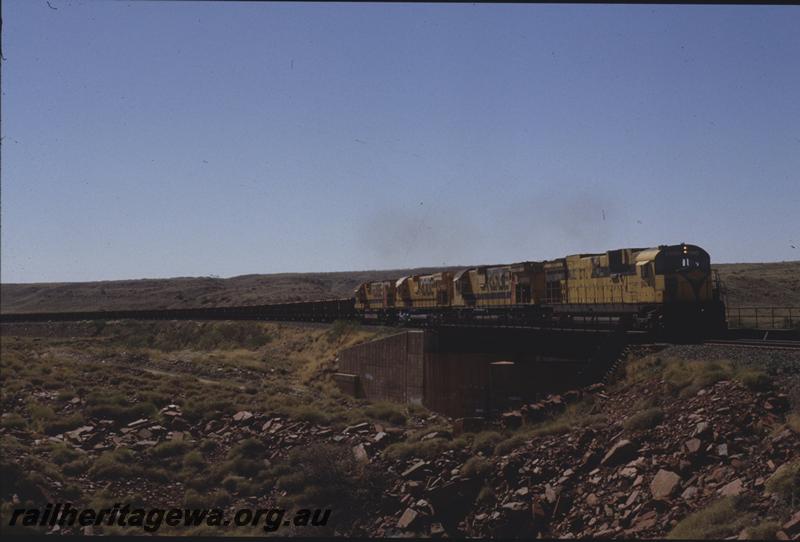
{"x": 159, "y": 139}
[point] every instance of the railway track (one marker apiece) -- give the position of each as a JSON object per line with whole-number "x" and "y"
{"x": 756, "y": 343}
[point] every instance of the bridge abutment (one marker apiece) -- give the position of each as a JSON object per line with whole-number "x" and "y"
{"x": 473, "y": 371}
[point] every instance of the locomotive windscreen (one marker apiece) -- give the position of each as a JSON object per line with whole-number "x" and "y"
{"x": 681, "y": 258}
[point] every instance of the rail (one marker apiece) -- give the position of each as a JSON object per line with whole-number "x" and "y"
{"x": 763, "y": 317}
{"x": 764, "y": 343}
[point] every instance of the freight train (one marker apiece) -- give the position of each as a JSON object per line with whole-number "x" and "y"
{"x": 670, "y": 289}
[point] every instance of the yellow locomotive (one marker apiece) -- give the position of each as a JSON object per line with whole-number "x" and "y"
{"x": 667, "y": 287}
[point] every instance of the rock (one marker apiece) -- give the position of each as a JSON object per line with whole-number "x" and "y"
{"x": 242, "y": 416}
{"x": 563, "y": 505}
{"x": 632, "y": 498}
{"x": 212, "y": 425}
{"x": 732, "y": 489}
{"x": 179, "y": 424}
{"x": 437, "y": 529}
{"x": 722, "y": 450}
{"x": 138, "y": 423}
{"x": 792, "y": 526}
{"x": 79, "y": 434}
{"x": 357, "y": 427}
{"x": 408, "y": 518}
{"x": 413, "y": 487}
{"x": 643, "y": 522}
{"x": 590, "y": 460}
{"x": 534, "y": 412}
{"x": 694, "y": 445}
{"x": 664, "y": 484}
{"x": 360, "y": 454}
{"x": 550, "y": 494}
{"x": 170, "y": 410}
{"x": 778, "y": 404}
{"x": 540, "y": 517}
{"x": 621, "y": 452}
{"x": 701, "y": 429}
{"x": 592, "y": 500}
{"x": 689, "y": 493}
{"x": 415, "y": 471}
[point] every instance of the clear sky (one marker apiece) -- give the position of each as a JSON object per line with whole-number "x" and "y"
{"x": 159, "y": 139}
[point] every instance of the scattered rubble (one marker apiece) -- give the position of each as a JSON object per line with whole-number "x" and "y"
{"x": 595, "y": 481}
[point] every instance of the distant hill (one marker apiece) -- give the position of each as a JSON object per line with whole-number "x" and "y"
{"x": 749, "y": 284}
{"x": 762, "y": 284}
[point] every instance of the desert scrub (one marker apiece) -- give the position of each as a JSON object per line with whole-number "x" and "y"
{"x": 310, "y": 413}
{"x": 793, "y": 421}
{"x": 216, "y": 499}
{"x": 61, "y": 454}
{"x": 718, "y": 520}
{"x": 12, "y": 420}
{"x": 244, "y": 470}
{"x": 202, "y": 409}
{"x": 76, "y": 467}
{"x": 644, "y": 420}
{"x": 785, "y": 482}
{"x": 341, "y": 328}
{"x": 755, "y": 380}
{"x": 194, "y": 461}
{"x": 486, "y": 441}
{"x": 387, "y": 412}
{"x": 426, "y": 449}
{"x": 514, "y": 441}
{"x": 476, "y": 467}
{"x": 171, "y": 336}
{"x": 168, "y": 449}
{"x": 685, "y": 378}
{"x": 486, "y": 495}
{"x": 763, "y": 531}
{"x": 60, "y": 425}
{"x": 327, "y": 476}
{"x": 39, "y": 412}
{"x": 117, "y": 407}
{"x": 114, "y": 465}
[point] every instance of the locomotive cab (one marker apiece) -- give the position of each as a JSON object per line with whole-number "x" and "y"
{"x": 687, "y": 274}
{"x": 691, "y": 303}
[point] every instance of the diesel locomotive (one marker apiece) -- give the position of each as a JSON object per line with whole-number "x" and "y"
{"x": 669, "y": 288}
